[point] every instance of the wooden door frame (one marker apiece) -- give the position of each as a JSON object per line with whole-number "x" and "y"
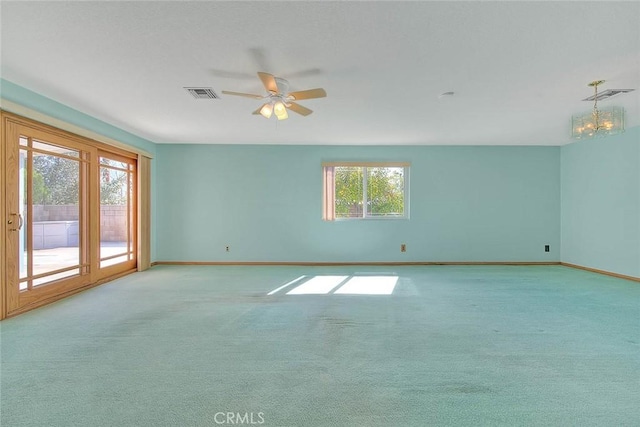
{"x": 109, "y": 271}
{"x": 142, "y": 201}
{"x": 15, "y": 300}
{"x": 3, "y": 229}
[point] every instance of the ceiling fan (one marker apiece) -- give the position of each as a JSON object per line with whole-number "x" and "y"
{"x": 279, "y": 99}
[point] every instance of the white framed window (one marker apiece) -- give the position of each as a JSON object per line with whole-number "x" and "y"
{"x": 365, "y": 190}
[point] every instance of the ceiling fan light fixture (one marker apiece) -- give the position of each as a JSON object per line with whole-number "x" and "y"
{"x": 278, "y": 98}
{"x": 280, "y": 110}
{"x": 266, "y": 110}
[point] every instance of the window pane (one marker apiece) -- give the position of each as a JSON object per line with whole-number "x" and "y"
{"x": 55, "y": 194}
{"x": 55, "y": 149}
{"x": 114, "y": 163}
{"x": 117, "y": 225}
{"x": 113, "y": 212}
{"x": 385, "y": 191}
{"x": 349, "y": 192}
{"x": 132, "y": 222}
{"x": 25, "y": 255}
{"x": 113, "y": 261}
{"x": 58, "y": 276}
{"x": 365, "y": 190}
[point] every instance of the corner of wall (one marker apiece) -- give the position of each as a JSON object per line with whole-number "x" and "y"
{"x": 600, "y": 203}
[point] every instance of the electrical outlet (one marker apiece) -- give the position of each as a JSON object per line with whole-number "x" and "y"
{"x": 226, "y": 248}
{"x": 403, "y": 248}
{"x": 546, "y": 248}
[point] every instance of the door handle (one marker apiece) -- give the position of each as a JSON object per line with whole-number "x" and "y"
{"x": 20, "y": 222}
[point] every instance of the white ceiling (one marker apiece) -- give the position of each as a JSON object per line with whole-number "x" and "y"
{"x": 519, "y": 70}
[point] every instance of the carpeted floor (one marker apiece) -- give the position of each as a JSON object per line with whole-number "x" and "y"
{"x": 452, "y": 345}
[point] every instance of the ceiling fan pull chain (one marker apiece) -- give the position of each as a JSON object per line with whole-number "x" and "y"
{"x": 595, "y": 106}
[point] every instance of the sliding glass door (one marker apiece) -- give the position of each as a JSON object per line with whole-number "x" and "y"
{"x": 70, "y": 211}
{"x": 47, "y": 206}
{"x": 117, "y": 213}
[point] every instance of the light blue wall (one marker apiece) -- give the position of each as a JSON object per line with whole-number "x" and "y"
{"x": 600, "y": 210}
{"x": 14, "y": 93}
{"x": 467, "y": 204}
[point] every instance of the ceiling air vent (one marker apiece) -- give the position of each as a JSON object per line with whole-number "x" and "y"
{"x": 202, "y": 92}
{"x": 608, "y": 94}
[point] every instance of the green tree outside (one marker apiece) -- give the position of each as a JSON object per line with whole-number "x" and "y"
{"x": 56, "y": 181}
{"x": 384, "y": 193}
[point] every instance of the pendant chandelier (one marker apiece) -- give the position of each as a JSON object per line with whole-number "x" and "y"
{"x": 599, "y": 122}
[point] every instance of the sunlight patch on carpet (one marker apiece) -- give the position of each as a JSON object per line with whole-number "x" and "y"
{"x": 358, "y": 284}
{"x": 318, "y": 285}
{"x": 369, "y": 285}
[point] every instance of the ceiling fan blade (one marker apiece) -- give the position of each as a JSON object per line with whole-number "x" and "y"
{"x": 269, "y": 82}
{"x": 257, "y": 111}
{"x": 308, "y": 94}
{"x": 247, "y": 95}
{"x": 297, "y": 108}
